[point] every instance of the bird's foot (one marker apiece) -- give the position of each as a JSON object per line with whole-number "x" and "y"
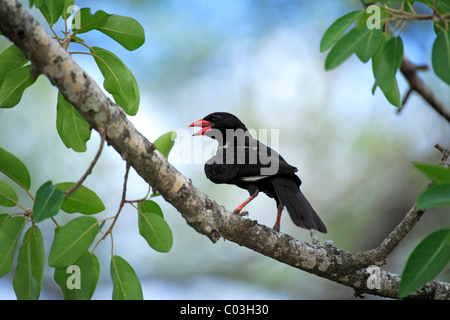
{"x": 276, "y": 227}
{"x": 240, "y": 213}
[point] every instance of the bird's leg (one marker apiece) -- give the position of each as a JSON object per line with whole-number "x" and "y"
{"x": 314, "y": 236}
{"x": 238, "y": 209}
{"x": 276, "y": 227}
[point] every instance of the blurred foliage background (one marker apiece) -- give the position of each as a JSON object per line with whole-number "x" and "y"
{"x": 259, "y": 60}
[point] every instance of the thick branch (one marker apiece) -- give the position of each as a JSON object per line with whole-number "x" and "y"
{"x": 200, "y": 211}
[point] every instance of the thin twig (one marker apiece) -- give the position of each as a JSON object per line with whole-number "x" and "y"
{"x": 142, "y": 199}
{"x": 122, "y": 203}
{"x": 89, "y": 170}
{"x": 445, "y": 155}
{"x": 405, "y": 99}
{"x": 379, "y": 254}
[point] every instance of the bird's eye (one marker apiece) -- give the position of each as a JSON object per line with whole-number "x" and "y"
{"x": 215, "y": 118}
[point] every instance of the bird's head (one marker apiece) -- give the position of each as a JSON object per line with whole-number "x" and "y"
{"x": 216, "y": 124}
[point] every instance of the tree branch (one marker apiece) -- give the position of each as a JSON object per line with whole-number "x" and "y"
{"x": 200, "y": 211}
{"x": 410, "y": 72}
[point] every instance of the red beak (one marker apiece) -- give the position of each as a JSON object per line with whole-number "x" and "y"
{"x": 205, "y": 125}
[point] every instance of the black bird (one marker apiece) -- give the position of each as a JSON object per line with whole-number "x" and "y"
{"x": 249, "y": 164}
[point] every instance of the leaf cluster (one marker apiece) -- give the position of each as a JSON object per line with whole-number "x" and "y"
{"x": 374, "y": 34}
{"x": 72, "y": 241}
{"x": 71, "y": 254}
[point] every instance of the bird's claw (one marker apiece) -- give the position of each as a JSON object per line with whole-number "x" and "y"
{"x": 240, "y": 214}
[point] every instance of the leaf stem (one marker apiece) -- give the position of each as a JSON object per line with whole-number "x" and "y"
{"x": 122, "y": 203}
{"x": 89, "y": 170}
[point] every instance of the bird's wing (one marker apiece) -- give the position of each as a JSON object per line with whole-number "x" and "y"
{"x": 260, "y": 161}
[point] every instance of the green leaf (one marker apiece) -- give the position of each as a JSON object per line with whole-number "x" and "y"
{"x": 11, "y": 166}
{"x": 369, "y": 44}
{"x": 337, "y": 28}
{"x": 426, "y": 261}
{"x": 14, "y": 85}
{"x": 72, "y": 241}
{"x": 78, "y": 281}
{"x": 68, "y": 8}
{"x": 125, "y": 30}
{"x": 435, "y": 196}
{"x": 165, "y": 142}
{"x": 440, "y": 56}
{"x": 387, "y": 63}
{"x": 154, "y": 228}
{"x": 10, "y": 231}
{"x": 55, "y": 9}
{"x": 27, "y": 281}
{"x": 119, "y": 81}
{"x": 150, "y": 206}
{"x": 3, "y": 218}
{"x": 387, "y": 81}
{"x": 345, "y": 47}
{"x": 11, "y": 58}
{"x": 435, "y": 173}
{"x": 50, "y": 9}
{"x": 42, "y": 6}
{"x": 8, "y": 197}
{"x": 73, "y": 130}
{"x": 84, "y": 21}
{"x": 126, "y": 284}
{"x": 83, "y": 200}
{"x": 47, "y": 202}
{"x": 392, "y": 93}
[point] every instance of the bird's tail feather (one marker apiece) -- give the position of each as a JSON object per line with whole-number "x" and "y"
{"x": 300, "y": 210}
